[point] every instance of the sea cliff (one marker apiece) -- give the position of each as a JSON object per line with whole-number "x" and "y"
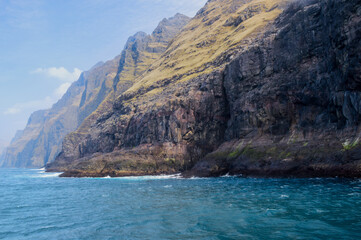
{"x": 260, "y": 88}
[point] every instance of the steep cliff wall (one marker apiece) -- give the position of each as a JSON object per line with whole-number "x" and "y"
{"x": 267, "y": 88}
{"x": 176, "y": 111}
{"x": 41, "y": 140}
{"x": 294, "y": 97}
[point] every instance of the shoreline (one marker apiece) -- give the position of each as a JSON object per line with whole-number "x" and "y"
{"x": 322, "y": 173}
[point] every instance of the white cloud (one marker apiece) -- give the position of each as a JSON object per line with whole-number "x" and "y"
{"x": 61, "y": 90}
{"x": 45, "y": 103}
{"x": 60, "y": 73}
{"x": 12, "y": 110}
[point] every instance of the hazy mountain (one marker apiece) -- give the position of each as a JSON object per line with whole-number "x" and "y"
{"x": 3, "y": 145}
{"x": 40, "y": 142}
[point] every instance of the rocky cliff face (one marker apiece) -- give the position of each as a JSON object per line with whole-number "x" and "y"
{"x": 294, "y": 97}
{"x": 267, "y": 88}
{"x": 161, "y": 113}
{"x": 41, "y": 140}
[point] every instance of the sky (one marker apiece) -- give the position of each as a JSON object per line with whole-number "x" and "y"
{"x": 46, "y": 44}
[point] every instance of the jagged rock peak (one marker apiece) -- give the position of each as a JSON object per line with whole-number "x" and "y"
{"x": 173, "y": 21}
{"x": 167, "y": 28}
{"x": 139, "y": 36}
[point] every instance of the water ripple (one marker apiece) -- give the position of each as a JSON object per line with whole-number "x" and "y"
{"x": 166, "y": 207}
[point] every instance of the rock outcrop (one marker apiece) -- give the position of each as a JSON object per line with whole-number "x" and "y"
{"x": 41, "y": 140}
{"x": 262, "y": 88}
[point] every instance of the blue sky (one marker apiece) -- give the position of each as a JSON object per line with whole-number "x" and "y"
{"x": 45, "y": 44}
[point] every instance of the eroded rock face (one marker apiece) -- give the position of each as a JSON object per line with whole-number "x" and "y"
{"x": 174, "y": 103}
{"x": 294, "y": 97}
{"x": 302, "y": 76}
{"x": 284, "y": 102}
{"x": 174, "y": 135}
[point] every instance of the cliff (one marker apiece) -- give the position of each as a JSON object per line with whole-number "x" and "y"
{"x": 40, "y": 142}
{"x": 266, "y": 88}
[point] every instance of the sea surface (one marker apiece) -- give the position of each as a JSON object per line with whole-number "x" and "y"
{"x": 38, "y": 205}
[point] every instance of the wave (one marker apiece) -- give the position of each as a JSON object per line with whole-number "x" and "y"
{"x": 47, "y": 175}
{"x": 227, "y": 175}
{"x": 37, "y": 169}
{"x": 150, "y": 177}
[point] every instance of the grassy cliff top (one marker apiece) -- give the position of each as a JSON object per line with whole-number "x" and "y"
{"x": 218, "y": 27}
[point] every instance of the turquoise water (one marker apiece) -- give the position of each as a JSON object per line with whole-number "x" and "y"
{"x": 38, "y": 205}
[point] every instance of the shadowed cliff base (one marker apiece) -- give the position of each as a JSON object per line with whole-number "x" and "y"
{"x": 292, "y": 157}
{"x": 279, "y": 99}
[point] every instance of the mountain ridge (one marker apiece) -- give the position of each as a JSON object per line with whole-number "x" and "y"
{"x": 40, "y": 142}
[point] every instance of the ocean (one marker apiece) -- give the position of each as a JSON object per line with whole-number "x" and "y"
{"x": 38, "y": 205}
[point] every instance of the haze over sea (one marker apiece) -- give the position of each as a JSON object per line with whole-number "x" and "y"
{"x": 39, "y": 205}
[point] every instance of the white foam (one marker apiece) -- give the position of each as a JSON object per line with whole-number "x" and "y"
{"x": 231, "y": 176}
{"x": 37, "y": 169}
{"x": 227, "y": 175}
{"x": 193, "y": 178}
{"x": 137, "y": 178}
{"x": 47, "y": 175}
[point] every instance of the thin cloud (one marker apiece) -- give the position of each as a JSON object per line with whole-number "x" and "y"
{"x": 61, "y": 90}
{"x": 187, "y": 7}
{"x": 23, "y": 14}
{"x": 60, "y": 73}
{"x": 13, "y": 110}
{"x": 45, "y": 103}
